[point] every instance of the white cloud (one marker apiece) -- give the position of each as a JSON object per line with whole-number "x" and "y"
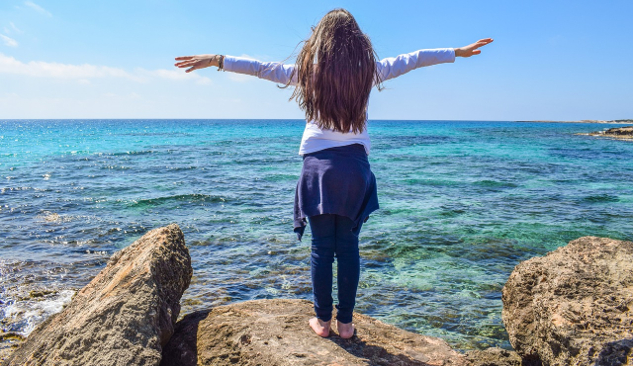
{"x": 13, "y": 29}
{"x": 83, "y": 73}
{"x": 127, "y": 96}
{"x": 38, "y": 8}
{"x": 9, "y": 65}
{"x": 8, "y": 41}
{"x": 16, "y": 29}
{"x": 177, "y": 75}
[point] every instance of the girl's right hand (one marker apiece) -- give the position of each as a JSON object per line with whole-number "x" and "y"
{"x": 197, "y": 62}
{"x": 472, "y": 49}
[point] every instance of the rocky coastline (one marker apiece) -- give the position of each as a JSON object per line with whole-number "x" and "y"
{"x": 616, "y": 121}
{"x": 625, "y": 133}
{"x": 573, "y": 306}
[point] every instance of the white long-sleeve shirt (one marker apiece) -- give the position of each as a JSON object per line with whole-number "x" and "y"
{"x": 315, "y": 138}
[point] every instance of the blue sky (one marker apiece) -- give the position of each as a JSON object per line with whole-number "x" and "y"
{"x": 552, "y": 60}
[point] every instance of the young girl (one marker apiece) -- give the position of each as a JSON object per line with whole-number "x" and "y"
{"x": 333, "y": 76}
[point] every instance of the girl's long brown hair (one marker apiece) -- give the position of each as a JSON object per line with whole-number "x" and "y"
{"x": 336, "y": 69}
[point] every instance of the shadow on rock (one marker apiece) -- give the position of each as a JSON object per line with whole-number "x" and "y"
{"x": 616, "y": 353}
{"x": 377, "y": 355}
{"x": 183, "y": 350}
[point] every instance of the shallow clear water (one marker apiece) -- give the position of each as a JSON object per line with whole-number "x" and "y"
{"x": 461, "y": 204}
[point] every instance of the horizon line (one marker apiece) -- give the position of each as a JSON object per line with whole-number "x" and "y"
{"x": 623, "y": 120}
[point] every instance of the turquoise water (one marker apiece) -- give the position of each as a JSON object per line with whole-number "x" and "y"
{"x": 461, "y": 204}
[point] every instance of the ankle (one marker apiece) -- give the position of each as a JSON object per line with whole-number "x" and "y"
{"x": 320, "y": 327}
{"x": 345, "y": 330}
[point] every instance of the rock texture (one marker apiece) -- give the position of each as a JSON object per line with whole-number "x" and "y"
{"x": 620, "y": 132}
{"x": 9, "y": 342}
{"x": 276, "y": 332}
{"x": 495, "y": 356}
{"x": 124, "y": 316}
{"x": 573, "y": 306}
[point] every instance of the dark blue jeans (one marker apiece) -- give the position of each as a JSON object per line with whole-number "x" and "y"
{"x": 332, "y": 235}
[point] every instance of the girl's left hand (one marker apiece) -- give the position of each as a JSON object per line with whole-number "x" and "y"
{"x": 197, "y": 62}
{"x": 472, "y": 49}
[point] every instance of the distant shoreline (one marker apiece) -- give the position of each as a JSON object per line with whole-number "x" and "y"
{"x": 617, "y": 121}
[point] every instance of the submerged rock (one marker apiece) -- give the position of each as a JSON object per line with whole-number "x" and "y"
{"x": 276, "y": 332}
{"x": 124, "y": 316}
{"x": 619, "y": 132}
{"x": 574, "y": 306}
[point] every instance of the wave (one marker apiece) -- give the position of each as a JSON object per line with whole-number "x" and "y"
{"x": 495, "y": 184}
{"x": 140, "y": 152}
{"x": 190, "y": 198}
{"x": 601, "y": 198}
{"x": 433, "y": 182}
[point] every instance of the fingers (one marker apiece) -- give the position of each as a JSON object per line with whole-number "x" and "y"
{"x": 188, "y": 61}
{"x": 192, "y": 62}
{"x": 196, "y": 62}
{"x": 483, "y": 42}
{"x": 185, "y": 63}
{"x": 472, "y": 49}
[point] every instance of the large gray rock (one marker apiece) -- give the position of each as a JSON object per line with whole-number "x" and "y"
{"x": 574, "y": 306}
{"x": 124, "y": 316}
{"x": 276, "y": 332}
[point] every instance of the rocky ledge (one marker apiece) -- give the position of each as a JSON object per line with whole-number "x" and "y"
{"x": 571, "y": 307}
{"x": 275, "y": 332}
{"x": 619, "y": 133}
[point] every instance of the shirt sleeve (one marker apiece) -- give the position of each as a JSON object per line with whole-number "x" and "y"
{"x": 273, "y": 71}
{"x": 393, "y": 67}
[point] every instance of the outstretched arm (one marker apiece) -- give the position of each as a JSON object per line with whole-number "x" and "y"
{"x": 273, "y": 71}
{"x": 393, "y": 67}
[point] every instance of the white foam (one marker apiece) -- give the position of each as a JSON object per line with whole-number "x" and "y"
{"x": 35, "y": 312}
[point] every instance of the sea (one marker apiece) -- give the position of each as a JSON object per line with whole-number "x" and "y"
{"x": 461, "y": 204}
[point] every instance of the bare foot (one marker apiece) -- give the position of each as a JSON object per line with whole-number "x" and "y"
{"x": 320, "y": 327}
{"x": 345, "y": 331}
